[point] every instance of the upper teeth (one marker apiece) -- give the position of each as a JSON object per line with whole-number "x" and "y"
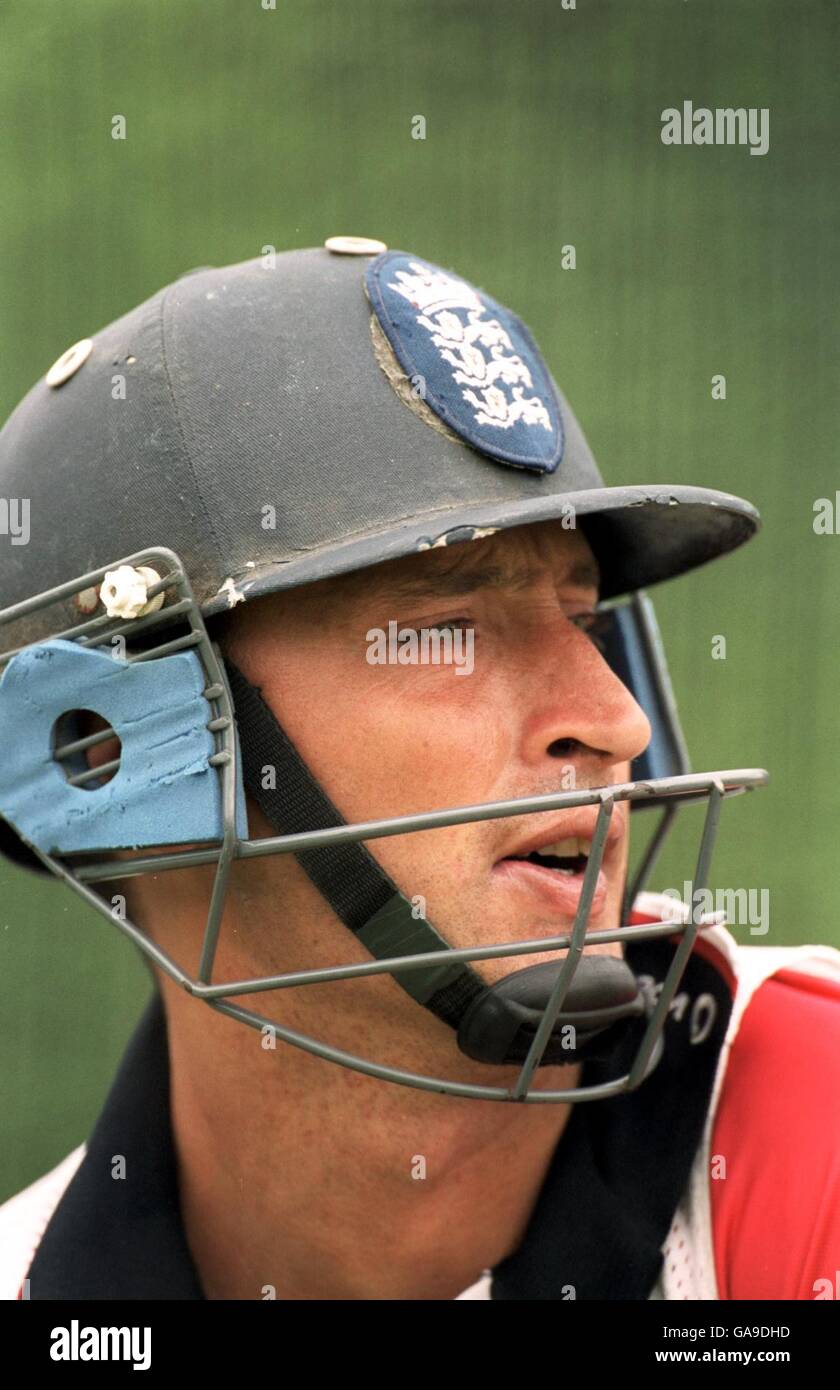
{"x": 565, "y": 849}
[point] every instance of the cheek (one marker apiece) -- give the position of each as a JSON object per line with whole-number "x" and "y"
{"x": 620, "y": 773}
{"x": 391, "y": 741}
{"x": 621, "y": 861}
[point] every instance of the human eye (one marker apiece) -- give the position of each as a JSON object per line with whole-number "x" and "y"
{"x": 453, "y": 624}
{"x": 438, "y": 625}
{"x": 596, "y": 625}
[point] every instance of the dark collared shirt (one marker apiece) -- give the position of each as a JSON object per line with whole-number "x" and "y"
{"x": 598, "y": 1226}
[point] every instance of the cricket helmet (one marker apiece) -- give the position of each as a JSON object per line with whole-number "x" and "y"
{"x": 254, "y": 428}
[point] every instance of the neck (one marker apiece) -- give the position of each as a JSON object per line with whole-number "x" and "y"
{"x": 302, "y": 1180}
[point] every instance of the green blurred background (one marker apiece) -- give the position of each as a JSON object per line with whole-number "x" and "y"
{"x": 249, "y": 127}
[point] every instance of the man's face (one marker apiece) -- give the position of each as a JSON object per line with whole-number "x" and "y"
{"x": 539, "y": 712}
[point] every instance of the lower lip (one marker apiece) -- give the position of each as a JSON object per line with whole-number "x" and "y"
{"x": 561, "y": 891}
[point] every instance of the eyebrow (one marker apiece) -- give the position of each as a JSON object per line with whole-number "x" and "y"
{"x": 486, "y": 575}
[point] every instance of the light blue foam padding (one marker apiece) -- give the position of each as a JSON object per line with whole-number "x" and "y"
{"x": 165, "y": 792}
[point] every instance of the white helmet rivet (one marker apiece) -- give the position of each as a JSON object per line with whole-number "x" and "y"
{"x": 69, "y": 362}
{"x": 355, "y": 246}
{"x": 124, "y": 591}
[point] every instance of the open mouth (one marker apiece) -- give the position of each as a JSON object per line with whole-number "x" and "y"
{"x": 554, "y": 874}
{"x": 568, "y": 857}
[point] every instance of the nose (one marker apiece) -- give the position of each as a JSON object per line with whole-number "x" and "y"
{"x": 577, "y": 708}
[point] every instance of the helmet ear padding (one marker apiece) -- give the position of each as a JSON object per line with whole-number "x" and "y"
{"x": 166, "y": 791}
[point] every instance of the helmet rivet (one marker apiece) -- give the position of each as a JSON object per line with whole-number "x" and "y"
{"x": 69, "y": 362}
{"x": 124, "y": 591}
{"x": 355, "y": 246}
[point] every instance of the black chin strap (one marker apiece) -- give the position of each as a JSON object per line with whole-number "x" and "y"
{"x": 494, "y": 1023}
{"x": 359, "y": 892}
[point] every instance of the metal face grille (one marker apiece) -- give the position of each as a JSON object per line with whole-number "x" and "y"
{"x": 150, "y": 638}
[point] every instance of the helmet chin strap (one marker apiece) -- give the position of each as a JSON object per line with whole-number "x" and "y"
{"x": 494, "y": 1023}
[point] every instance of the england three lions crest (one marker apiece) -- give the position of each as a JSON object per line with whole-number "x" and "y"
{"x": 477, "y": 365}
